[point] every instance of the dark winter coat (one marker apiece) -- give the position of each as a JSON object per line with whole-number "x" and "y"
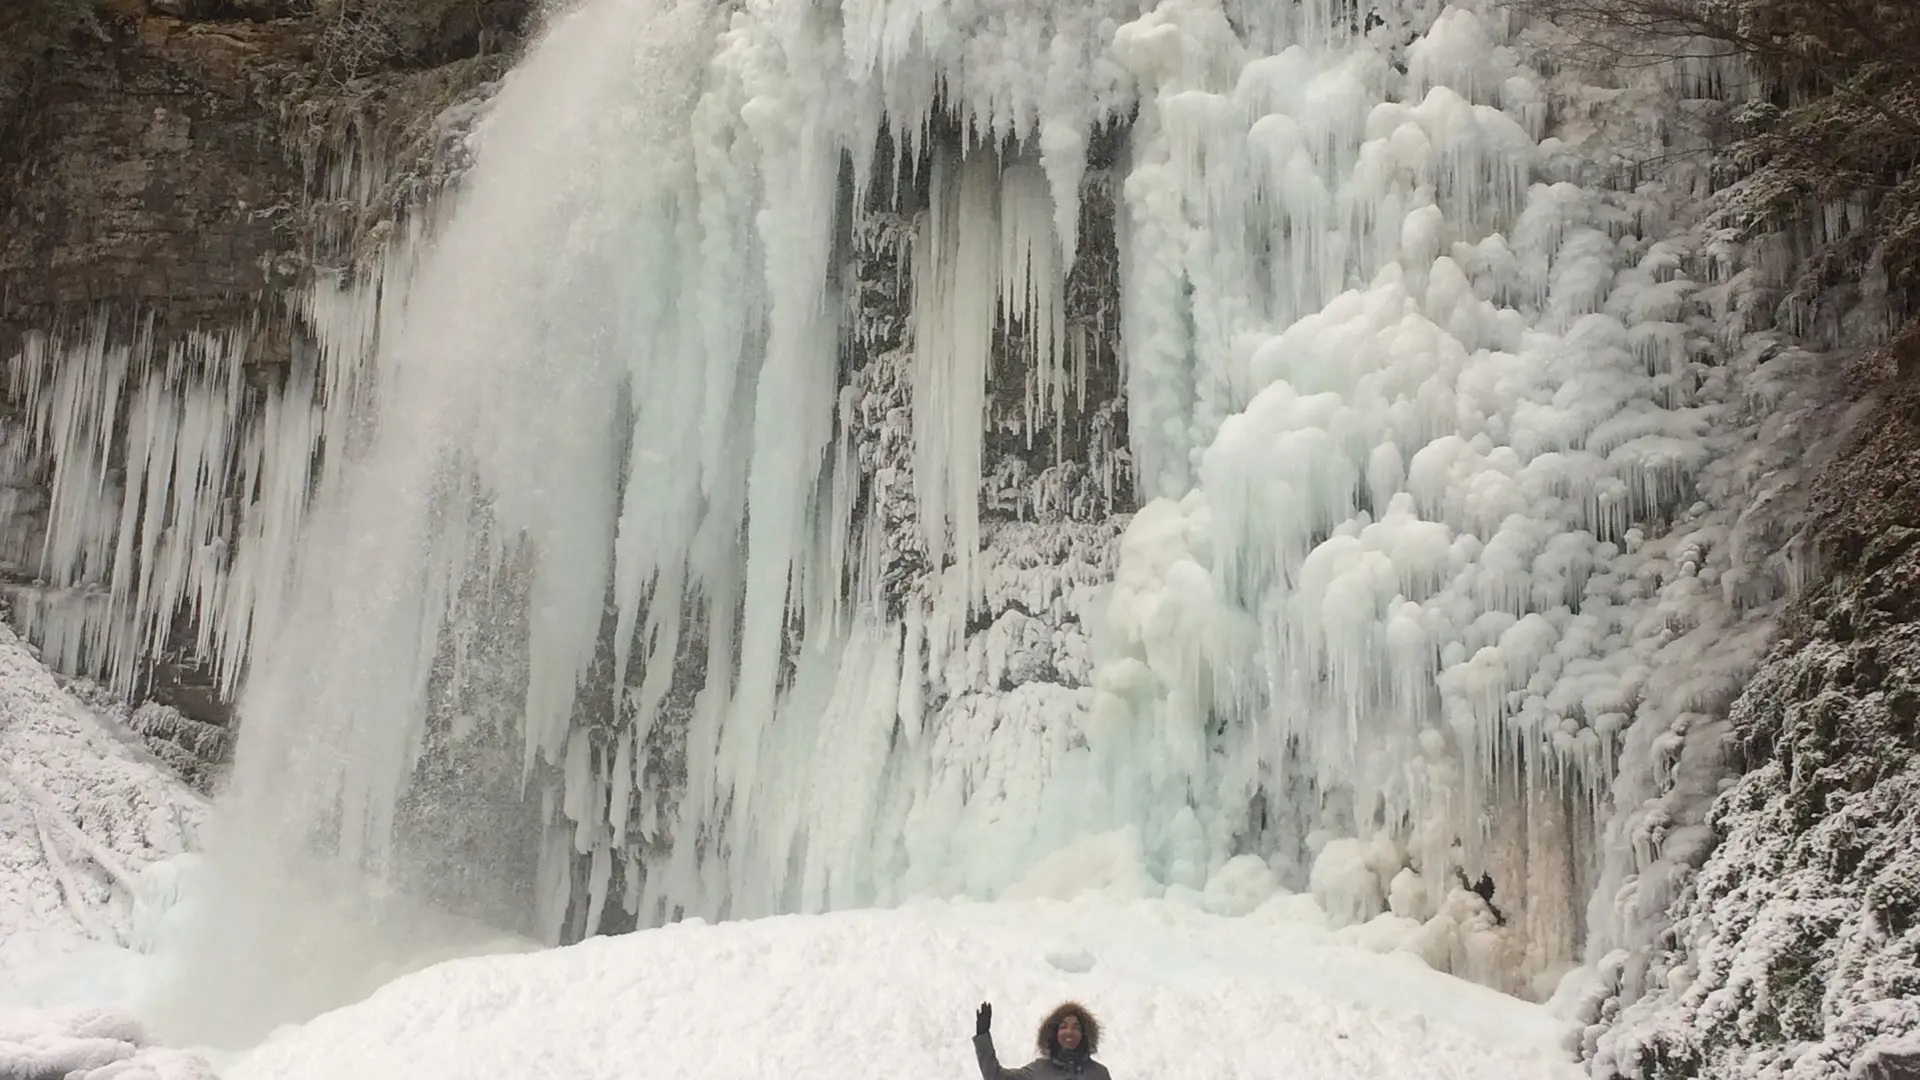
{"x": 1053, "y": 1062}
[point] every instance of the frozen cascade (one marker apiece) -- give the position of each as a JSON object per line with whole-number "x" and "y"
{"x": 1434, "y": 574}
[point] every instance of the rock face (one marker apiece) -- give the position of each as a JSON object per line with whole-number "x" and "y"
{"x": 162, "y": 158}
{"x": 1796, "y": 949}
{"x": 145, "y": 173}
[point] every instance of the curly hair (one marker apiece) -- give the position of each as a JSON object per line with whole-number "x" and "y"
{"x": 1050, "y": 1028}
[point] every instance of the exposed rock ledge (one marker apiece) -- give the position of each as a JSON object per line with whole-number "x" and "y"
{"x": 171, "y": 159}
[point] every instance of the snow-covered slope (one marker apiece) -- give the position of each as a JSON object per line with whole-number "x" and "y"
{"x": 93, "y": 831}
{"x": 89, "y": 1043}
{"x": 1181, "y": 995}
{"x": 86, "y": 819}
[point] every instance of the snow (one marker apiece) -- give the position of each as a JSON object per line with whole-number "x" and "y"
{"x": 90, "y": 1044}
{"x": 92, "y": 830}
{"x": 95, "y": 842}
{"x": 1179, "y": 993}
{"x": 1793, "y": 950}
{"x": 1885, "y": 1056}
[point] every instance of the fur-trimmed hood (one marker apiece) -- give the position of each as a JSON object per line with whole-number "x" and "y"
{"x": 1089, "y": 1029}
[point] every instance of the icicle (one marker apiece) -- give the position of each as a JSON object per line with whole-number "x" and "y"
{"x": 955, "y": 285}
{"x": 1033, "y": 291}
{"x": 620, "y": 804}
{"x": 599, "y": 876}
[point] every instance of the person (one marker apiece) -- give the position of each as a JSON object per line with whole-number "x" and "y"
{"x": 1068, "y": 1038}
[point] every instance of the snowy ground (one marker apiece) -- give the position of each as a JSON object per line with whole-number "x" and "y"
{"x": 92, "y": 830}
{"x": 89, "y": 824}
{"x": 1180, "y": 993}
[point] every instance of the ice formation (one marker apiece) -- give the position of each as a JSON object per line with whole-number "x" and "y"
{"x": 1437, "y": 567}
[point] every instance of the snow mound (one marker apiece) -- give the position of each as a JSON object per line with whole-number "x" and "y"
{"x": 88, "y": 822}
{"x": 89, "y": 1044}
{"x": 1180, "y": 993}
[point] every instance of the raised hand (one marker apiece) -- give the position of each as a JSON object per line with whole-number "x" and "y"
{"x": 983, "y": 1020}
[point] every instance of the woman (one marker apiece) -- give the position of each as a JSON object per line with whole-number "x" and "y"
{"x": 1068, "y": 1037}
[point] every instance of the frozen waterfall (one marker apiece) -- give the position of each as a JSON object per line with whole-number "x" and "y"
{"x": 728, "y": 498}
